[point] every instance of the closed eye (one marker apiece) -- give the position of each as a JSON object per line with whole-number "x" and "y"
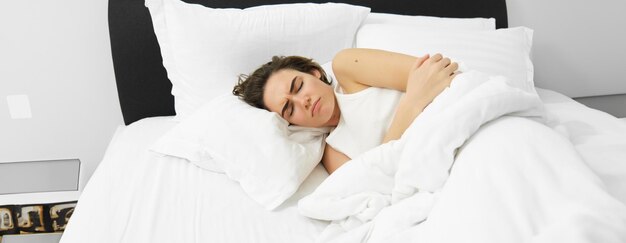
{"x": 301, "y": 84}
{"x": 291, "y": 103}
{"x": 298, "y": 90}
{"x": 293, "y": 81}
{"x": 288, "y": 109}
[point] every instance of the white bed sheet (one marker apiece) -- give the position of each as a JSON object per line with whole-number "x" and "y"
{"x": 599, "y": 137}
{"x": 139, "y": 196}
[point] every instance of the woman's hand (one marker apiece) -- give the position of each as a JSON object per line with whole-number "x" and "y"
{"x": 428, "y": 77}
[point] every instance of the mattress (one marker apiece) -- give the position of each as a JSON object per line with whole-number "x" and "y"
{"x": 136, "y": 195}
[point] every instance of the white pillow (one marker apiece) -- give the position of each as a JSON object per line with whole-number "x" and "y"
{"x": 504, "y": 52}
{"x": 255, "y": 147}
{"x": 432, "y": 22}
{"x": 205, "y": 49}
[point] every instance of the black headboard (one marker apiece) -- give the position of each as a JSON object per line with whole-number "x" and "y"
{"x": 142, "y": 84}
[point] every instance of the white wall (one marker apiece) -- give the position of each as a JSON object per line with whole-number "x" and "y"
{"x": 579, "y": 45}
{"x": 58, "y": 54}
{"x": 579, "y": 48}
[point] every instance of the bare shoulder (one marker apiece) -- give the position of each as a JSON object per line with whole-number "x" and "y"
{"x": 345, "y": 64}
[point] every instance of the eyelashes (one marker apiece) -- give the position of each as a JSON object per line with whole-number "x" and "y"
{"x": 291, "y": 103}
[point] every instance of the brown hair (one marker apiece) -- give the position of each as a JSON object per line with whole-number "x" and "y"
{"x": 250, "y": 88}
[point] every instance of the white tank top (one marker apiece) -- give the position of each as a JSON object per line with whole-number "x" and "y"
{"x": 365, "y": 119}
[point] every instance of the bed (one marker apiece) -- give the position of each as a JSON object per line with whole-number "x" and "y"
{"x": 138, "y": 195}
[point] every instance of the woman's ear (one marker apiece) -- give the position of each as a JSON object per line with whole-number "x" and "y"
{"x": 316, "y": 73}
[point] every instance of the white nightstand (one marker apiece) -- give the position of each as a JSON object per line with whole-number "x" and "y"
{"x": 39, "y": 176}
{"x": 38, "y": 198}
{"x": 32, "y": 238}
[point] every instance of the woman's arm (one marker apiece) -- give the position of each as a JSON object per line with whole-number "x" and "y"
{"x": 357, "y": 69}
{"x": 422, "y": 79}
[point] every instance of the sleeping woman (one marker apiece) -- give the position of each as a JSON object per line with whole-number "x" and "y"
{"x": 300, "y": 91}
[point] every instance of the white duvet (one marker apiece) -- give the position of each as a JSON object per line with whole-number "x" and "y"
{"x": 477, "y": 166}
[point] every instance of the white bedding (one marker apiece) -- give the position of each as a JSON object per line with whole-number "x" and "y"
{"x": 543, "y": 193}
{"x": 599, "y": 138}
{"x": 138, "y": 196}
{"x": 513, "y": 169}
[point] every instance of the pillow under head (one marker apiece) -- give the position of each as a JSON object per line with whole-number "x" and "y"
{"x": 205, "y": 49}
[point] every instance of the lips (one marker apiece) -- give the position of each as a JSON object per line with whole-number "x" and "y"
{"x": 315, "y": 107}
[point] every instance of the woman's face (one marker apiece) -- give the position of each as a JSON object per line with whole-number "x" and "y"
{"x": 301, "y": 98}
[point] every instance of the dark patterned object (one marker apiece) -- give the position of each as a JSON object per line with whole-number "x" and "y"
{"x": 60, "y": 214}
{"x": 35, "y": 218}
{"x": 8, "y": 222}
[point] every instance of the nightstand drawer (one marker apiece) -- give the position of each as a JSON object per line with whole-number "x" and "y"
{"x": 32, "y": 238}
{"x": 39, "y": 176}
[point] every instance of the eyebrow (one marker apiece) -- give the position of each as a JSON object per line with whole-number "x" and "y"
{"x": 282, "y": 113}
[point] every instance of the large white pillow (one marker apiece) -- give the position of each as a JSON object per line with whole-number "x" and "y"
{"x": 504, "y": 51}
{"x": 431, "y": 22}
{"x": 255, "y": 147}
{"x": 205, "y": 49}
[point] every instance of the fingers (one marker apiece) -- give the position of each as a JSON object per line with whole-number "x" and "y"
{"x": 447, "y": 68}
{"x": 449, "y": 80}
{"x": 444, "y": 64}
{"x": 440, "y": 60}
{"x": 430, "y": 76}
{"x": 451, "y": 68}
{"x": 433, "y": 59}
{"x": 438, "y": 65}
{"x": 420, "y": 60}
{"x": 437, "y": 57}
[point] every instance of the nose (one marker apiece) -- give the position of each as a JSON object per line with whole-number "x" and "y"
{"x": 303, "y": 100}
